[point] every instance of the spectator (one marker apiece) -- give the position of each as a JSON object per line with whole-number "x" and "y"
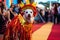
{"x": 55, "y": 13}
{"x": 42, "y": 16}
{"x": 49, "y": 15}
{"x": 2, "y": 22}
{"x": 12, "y": 13}
{"x": 58, "y": 19}
{"x": 17, "y": 9}
{"x": 46, "y": 15}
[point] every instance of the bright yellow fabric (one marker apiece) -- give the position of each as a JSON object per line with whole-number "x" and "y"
{"x": 21, "y": 19}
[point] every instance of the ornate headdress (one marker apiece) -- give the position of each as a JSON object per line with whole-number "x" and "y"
{"x": 29, "y": 6}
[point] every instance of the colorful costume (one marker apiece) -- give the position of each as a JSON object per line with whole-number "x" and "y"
{"x": 19, "y": 28}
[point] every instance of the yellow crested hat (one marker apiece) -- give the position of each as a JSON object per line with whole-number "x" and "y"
{"x": 29, "y": 6}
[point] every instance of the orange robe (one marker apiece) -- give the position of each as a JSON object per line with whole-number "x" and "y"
{"x": 18, "y": 29}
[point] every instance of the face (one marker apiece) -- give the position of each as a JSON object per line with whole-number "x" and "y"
{"x": 28, "y": 13}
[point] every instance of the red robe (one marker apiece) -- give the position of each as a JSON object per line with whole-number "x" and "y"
{"x": 18, "y": 29}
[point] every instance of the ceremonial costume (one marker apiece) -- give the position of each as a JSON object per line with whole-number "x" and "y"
{"x": 19, "y": 28}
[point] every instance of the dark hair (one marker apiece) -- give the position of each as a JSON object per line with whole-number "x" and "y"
{"x": 11, "y": 5}
{"x": 41, "y": 10}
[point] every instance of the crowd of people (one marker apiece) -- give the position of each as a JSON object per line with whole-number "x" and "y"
{"x": 49, "y": 15}
{"x": 7, "y": 14}
{"x": 43, "y": 16}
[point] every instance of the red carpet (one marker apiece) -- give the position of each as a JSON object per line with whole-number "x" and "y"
{"x": 1, "y": 37}
{"x": 36, "y": 26}
{"x": 55, "y": 32}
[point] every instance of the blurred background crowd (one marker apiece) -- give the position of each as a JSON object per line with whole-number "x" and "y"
{"x": 43, "y": 16}
{"x": 7, "y": 14}
{"x": 49, "y": 15}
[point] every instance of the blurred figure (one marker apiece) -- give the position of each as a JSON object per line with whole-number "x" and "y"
{"x": 46, "y": 15}
{"x": 54, "y": 13}
{"x": 41, "y": 15}
{"x": 2, "y": 22}
{"x": 3, "y": 17}
{"x": 12, "y": 13}
{"x": 58, "y": 19}
{"x": 49, "y": 16}
{"x": 17, "y": 9}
